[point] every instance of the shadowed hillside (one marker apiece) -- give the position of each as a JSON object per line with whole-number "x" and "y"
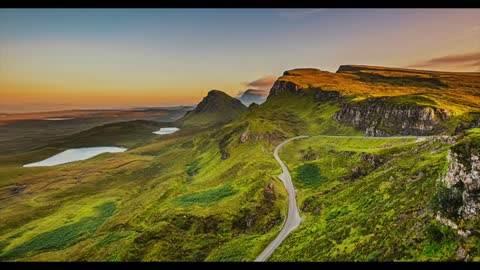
{"x": 217, "y": 107}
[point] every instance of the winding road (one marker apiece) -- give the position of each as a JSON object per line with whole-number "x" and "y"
{"x": 293, "y": 216}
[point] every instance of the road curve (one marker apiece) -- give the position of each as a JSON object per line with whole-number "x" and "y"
{"x": 293, "y": 215}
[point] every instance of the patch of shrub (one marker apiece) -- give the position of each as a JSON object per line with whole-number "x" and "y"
{"x": 193, "y": 168}
{"x": 447, "y": 201}
{"x": 309, "y": 175}
{"x": 206, "y": 197}
{"x": 64, "y": 236}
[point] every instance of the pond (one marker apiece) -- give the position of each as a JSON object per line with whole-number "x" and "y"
{"x": 166, "y": 130}
{"x": 75, "y": 154}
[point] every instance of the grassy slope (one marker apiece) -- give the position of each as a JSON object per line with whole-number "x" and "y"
{"x": 175, "y": 198}
{"x": 161, "y": 211}
{"x": 217, "y": 107}
{"x": 384, "y": 215}
{"x": 456, "y": 92}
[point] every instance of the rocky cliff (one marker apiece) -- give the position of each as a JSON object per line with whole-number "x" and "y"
{"x": 463, "y": 175}
{"x": 381, "y": 101}
{"x": 282, "y": 88}
{"x": 387, "y": 116}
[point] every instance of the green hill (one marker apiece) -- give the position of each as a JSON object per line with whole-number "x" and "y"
{"x": 216, "y": 108}
{"x": 209, "y": 192}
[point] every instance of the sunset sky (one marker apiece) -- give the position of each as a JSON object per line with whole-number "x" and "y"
{"x": 118, "y": 58}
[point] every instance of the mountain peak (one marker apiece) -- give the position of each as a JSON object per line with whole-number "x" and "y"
{"x": 364, "y": 81}
{"x": 250, "y": 96}
{"x": 216, "y": 107}
{"x": 216, "y": 92}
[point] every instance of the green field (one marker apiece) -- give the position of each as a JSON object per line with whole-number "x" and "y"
{"x": 370, "y": 200}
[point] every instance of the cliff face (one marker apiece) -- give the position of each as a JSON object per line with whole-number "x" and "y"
{"x": 282, "y": 88}
{"x": 393, "y": 101}
{"x": 464, "y": 175}
{"x": 469, "y": 182}
{"x": 384, "y": 117}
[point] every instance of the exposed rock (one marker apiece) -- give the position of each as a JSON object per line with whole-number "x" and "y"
{"x": 372, "y": 159}
{"x": 468, "y": 179}
{"x": 308, "y": 154}
{"x": 322, "y": 96}
{"x": 225, "y": 155}
{"x": 269, "y": 192}
{"x": 312, "y": 204}
{"x": 357, "y": 172}
{"x": 447, "y": 222}
{"x": 273, "y": 138}
{"x": 245, "y": 136}
{"x": 20, "y": 189}
{"x": 281, "y": 88}
{"x": 374, "y": 132}
{"x": 385, "y": 116}
{"x": 461, "y": 253}
{"x": 444, "y": 139}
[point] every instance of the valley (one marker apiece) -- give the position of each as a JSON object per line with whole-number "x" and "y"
{"x": 373, "y": 160}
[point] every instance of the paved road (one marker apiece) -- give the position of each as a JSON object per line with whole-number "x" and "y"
{"x": 364, "y": 137}
{"x": 293, "y": 216}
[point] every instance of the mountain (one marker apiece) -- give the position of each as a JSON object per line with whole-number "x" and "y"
{"x": 382, "y": 101}
{"x": 216, "y": 107}
{"x": 212, "y": 194}
{"x": 250, "y": 96}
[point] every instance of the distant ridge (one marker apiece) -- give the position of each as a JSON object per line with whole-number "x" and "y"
{"x": 250, "y": 96}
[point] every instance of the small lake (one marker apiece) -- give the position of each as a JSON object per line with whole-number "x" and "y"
{"x": 166, "y": 130}
{"x": 75, "y": 154}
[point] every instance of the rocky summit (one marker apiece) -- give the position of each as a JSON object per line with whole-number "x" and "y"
{"x": 216, "y": 107}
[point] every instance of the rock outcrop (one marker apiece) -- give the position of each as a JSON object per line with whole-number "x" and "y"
{"x": 466, "y": 177}
{"x": 385, "y": 101}
{"x": 282, "y": 88}
{"x": 384, "y": 117}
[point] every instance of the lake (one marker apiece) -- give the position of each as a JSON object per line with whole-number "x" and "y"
{"x": 166, "y": 130}
{"x": 75, "y": 154}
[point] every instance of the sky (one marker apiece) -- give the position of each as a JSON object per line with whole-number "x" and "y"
{"x": 53, "y": 59}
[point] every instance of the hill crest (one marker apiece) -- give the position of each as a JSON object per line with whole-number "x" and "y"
{"x": 215, "y": 107}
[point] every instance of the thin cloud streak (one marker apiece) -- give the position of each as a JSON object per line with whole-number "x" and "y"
{"x": 467, "y": 59}
{"x": 265, "y": 82}
{"x": 257, "y": 92}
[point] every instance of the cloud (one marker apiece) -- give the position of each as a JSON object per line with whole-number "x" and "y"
{"x": 467, "y": 59}
{"x": 295, "y": 14}
{"x": 265, "y": 82}
{"x": 254, "y": 92}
